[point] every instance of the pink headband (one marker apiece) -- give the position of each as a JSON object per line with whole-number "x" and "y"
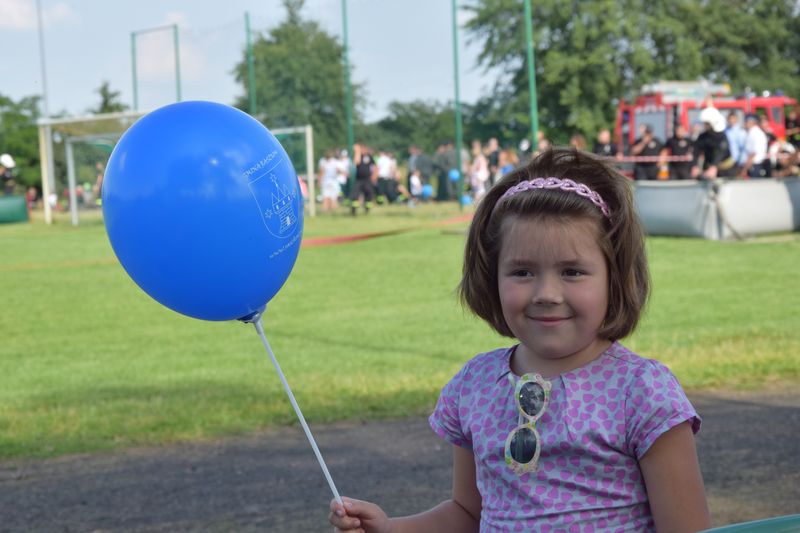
{"x": 557, "y": 183}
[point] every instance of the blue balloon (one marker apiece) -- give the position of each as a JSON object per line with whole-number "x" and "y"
{"x": 454, "y": 174}
{"x": 466, "y": 199}
{"x": 203, "y": 209}
{"x": 427, "y": 190}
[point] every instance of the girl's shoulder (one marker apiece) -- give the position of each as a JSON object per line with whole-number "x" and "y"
{"x": 633, "y": 370}
{"x": 492, "y": 365}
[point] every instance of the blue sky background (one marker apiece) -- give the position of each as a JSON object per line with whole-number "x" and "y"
{"x": 401, "y": 49}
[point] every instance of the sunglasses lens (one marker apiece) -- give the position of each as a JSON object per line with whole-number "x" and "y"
{"x": 523, "y": 445}
{"x": 531, "y": 398}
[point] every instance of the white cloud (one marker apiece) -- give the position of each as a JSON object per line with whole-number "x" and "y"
{"x": 17, "y": 14}
{"x": 21, "y": 14}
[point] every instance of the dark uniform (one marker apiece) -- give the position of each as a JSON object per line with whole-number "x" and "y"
{"x": 647, "y": 171}
{"x": 608, "y": 149}
{"x": 713, "y": 146}
{"x": 680, "y": 146}
{"x": 363, "y": 186}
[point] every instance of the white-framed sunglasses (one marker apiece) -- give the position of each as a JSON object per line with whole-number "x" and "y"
{"x": 532, "y": 394}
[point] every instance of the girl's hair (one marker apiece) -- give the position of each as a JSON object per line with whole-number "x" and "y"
{"x": 621, "y": 237}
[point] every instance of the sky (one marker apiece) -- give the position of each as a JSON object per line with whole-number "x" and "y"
{"x": 402, "y": 50}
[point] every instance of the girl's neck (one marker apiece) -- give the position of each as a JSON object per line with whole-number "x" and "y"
{"x": 523, "y": 361}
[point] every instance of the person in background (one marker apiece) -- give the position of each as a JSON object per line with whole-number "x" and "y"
{"x": 604, "y": 146}
{"x": 442, "y": 164}
{"x": 578, "y": 141}
{"x": 756, "y": 148}
{"x": 329, "y": 182}
{"x": 97, "y": 188}
{"x": 543, "y": 144}
{"x": 7, "y": 164}
{"x": 417, "y": 160}
{"x": 646, "y": 146}
{"x": 679, "y": 145}
{"x": 766, "y": 127}
{"x": 525, "y": 153}
{"x": 343, "y": 173}
{"x": 387, "y": 170}
{"x": 784, "y": 159}
{"x": 712, "y": 154}
{"x": 507, "y": 161}
{"x": 32, "y": 197}
{"x": 736, "y": 137}
{"x": 414, "y": 187}
{"x": 793, "y": 126}
{"x": 366, "y": 176}
{"x": 479, "y": 173}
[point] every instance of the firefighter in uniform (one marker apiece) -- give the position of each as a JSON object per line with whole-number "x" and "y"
{"x": 679, "y": 145}
{"x": 711, "y": 149}
{"x": 646, "y": 146}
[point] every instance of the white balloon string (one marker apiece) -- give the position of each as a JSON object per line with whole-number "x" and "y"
{"x": 260, "y": 329}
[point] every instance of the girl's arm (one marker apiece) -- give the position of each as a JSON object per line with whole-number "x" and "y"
{"x": 674, "y": 483}
{"x": 460, "y": 513}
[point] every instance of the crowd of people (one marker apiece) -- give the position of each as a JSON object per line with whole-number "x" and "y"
{"x": 379, "y": 179}
{"x": 717, "y": 146}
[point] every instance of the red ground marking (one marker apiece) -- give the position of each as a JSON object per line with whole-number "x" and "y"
{"x": 341, "y": 239}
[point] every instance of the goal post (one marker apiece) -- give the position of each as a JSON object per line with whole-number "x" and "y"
{"x": 106, "y": 129}
{"x": 295, "y": 156}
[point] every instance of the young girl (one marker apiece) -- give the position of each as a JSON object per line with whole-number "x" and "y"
{"x": 567, "y": 430}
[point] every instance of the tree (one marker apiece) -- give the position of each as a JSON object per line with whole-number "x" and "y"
{"x": 19, "y": 136}
{"x": 109, "y": 101}
{"x": 426, "y": 124}
{"x": 300, "y": 79}
{"x": 589, "y": 54}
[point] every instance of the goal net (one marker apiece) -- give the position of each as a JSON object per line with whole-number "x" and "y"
{"x": 74, "y": 151}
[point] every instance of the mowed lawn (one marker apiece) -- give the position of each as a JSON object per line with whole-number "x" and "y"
{"x": 369, "y": 329}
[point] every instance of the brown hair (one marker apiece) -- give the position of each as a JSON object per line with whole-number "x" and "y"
{"x": 621, "y": 237}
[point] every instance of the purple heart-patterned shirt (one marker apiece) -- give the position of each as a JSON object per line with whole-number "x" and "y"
{"x": 600, "y": 421}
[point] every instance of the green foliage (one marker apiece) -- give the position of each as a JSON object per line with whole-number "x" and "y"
{"x": 426, "y": 124}
{"x": 299, "y": 79}
{"x": 19, "y": 136}
{"x": 589, "y": 54}
{"x": 109, "y": 101}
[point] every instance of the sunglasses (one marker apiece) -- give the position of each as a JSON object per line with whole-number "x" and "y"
{"x": 532, "y": 394}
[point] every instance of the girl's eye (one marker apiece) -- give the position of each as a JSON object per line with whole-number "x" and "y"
{"x": 572, "y": 273}
{"x": 521, "y": 273}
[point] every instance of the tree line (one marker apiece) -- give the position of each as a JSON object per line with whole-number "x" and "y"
{"x": 588, "y": 55}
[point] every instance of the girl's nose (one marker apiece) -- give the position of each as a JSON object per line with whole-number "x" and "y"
{"x": 548, "y": 291}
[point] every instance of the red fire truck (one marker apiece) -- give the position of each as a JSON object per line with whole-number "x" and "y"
{"x": 665, "y": 104}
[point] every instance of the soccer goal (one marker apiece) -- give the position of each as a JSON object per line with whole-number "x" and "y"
{"x": 92, "y": 138}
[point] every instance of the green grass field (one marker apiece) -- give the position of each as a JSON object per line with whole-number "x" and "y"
{"x": 365, "y": 330}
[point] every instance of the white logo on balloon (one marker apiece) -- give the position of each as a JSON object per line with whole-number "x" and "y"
{"x": 278, "y": 204}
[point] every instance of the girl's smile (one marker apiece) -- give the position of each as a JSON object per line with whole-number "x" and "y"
{"x": 553, "y": 286}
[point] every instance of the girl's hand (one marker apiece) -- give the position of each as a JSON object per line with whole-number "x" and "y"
{"x": 358, "y": 517}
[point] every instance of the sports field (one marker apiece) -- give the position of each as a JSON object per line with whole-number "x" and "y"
{"x": 369, "y": 329}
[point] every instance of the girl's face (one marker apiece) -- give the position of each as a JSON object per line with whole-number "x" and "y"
{"x": 553, "y": 285}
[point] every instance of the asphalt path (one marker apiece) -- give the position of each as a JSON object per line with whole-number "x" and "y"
{"x": 749, "y": 451}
